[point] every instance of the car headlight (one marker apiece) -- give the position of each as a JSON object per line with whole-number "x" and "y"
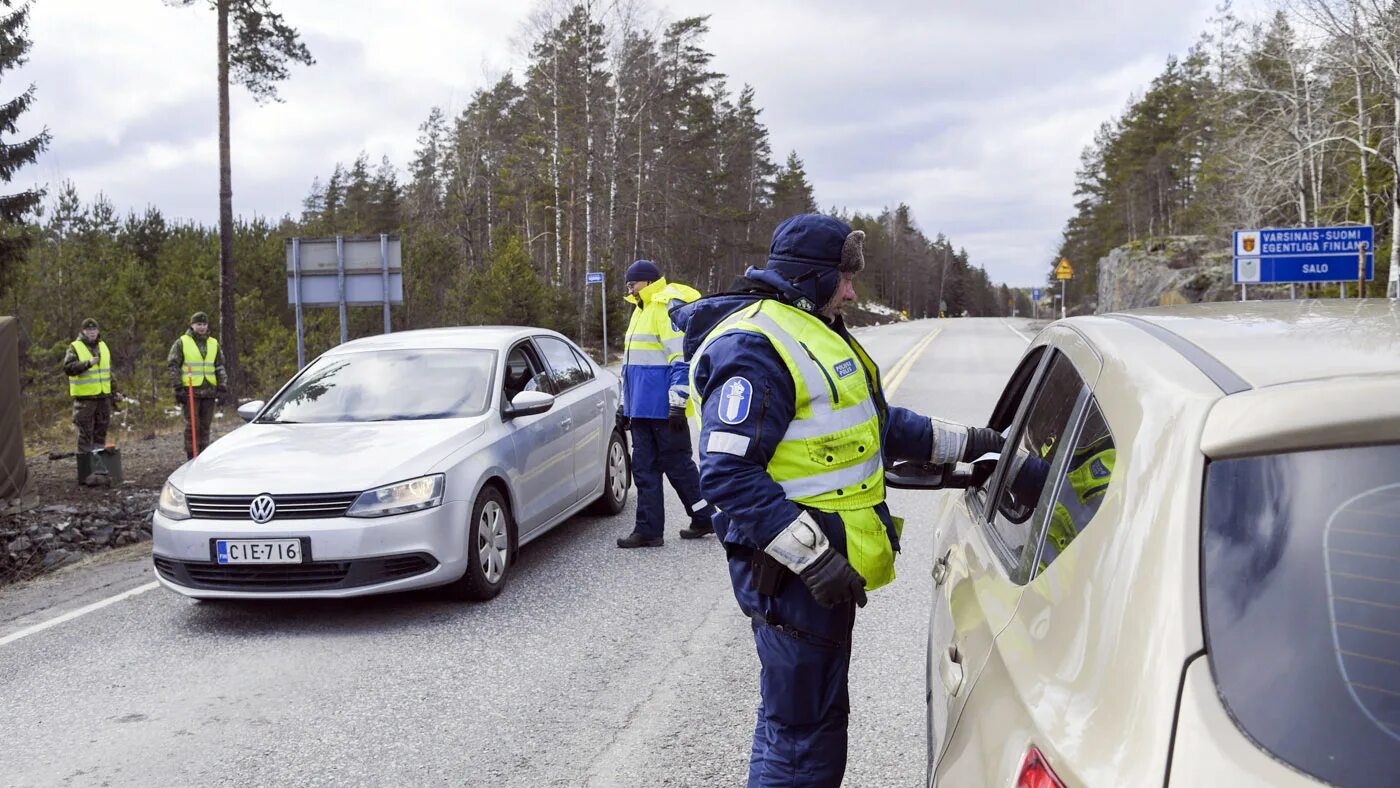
{"x": 172, "y": 503}
{"x": 424, "y": 492}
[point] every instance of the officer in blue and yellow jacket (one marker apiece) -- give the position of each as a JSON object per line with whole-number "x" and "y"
{"x": 795, "y": 435}
{"x": 655, "y": 390}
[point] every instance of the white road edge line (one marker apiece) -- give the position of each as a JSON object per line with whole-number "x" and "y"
{"x": 72, "y": 614}
{"x": 1015, "y": 331}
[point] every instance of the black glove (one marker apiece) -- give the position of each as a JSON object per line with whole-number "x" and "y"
{"x": 675, "y": 417}
{"x": 833, "y": 581}
{"x": 623, "y": 422}
{"x": 982, "y": 440}
{"x": 182, "y": 395}
{"x": 221, "y": 397}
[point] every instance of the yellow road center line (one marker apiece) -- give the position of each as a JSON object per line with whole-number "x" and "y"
{"x": 898, "y": 367}
{"x": 905, "y": 364}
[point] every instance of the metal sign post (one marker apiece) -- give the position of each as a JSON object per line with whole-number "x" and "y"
{"x": 601, "y": 278}
{"x": 1361, "y": 270}
{"x": 1035, "y": 302}
{"x": 384, "y": 269}
{"x": 296, "y": 300}
{"x": 340, "y": 285}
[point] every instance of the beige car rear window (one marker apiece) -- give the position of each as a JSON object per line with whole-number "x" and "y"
{"x": 1301, "y": 576}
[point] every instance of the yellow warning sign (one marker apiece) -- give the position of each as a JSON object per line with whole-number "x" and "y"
{"x": 1064, "y": 270}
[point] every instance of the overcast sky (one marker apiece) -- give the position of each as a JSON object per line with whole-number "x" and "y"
{"x": 974, "y": 113}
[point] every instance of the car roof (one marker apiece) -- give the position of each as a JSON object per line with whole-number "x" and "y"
{"x": 1268, "y": 343}
{"x": 484, "y": 337}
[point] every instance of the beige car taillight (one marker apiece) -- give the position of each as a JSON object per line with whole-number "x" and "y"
{"x": 1036, "y": 772}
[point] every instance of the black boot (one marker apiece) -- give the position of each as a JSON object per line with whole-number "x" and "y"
{"x": 700, "y": 527}
{"x": 635, "y": 539}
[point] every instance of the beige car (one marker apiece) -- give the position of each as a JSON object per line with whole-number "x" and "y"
{"x": 1191, "y": 573}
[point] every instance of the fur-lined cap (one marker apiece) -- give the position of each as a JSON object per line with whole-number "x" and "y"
{"x": 814, "y": 239}
{"x": 853, "y": 253}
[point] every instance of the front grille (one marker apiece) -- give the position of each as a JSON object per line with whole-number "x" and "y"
{"x": 311, "y": 576}
{"x": 289, "y": 507}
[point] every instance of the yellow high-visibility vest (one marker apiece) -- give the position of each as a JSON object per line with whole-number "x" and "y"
{"x": 829, "y": 458}
{"x": 196, "y": 368}
{"x": 96, "y": 379}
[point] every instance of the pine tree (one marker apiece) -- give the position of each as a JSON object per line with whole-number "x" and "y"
{"x": 792, "y": 193}
{"x": 15, "y": 238}
{"x": 257, "y": 58}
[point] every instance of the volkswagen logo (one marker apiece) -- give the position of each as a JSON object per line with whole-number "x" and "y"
{"x": 262, "y": 508}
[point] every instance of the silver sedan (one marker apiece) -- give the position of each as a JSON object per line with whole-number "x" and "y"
{"x": 424, "y": 458}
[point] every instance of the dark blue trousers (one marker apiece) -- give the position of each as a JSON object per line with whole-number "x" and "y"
{"x": 658, "y": 450}
{"x": 804, "y": 706}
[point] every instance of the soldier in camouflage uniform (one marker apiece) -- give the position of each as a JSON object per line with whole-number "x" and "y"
{"x": 88, "y": 365}
{"x": 196, "y": 361}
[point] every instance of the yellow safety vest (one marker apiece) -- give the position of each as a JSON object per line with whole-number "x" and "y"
{"x": 1089, "y": 478}
{"x": 651, "y": 339}
{"x": 829, "y": 459}
{"x": 95, "y": 380}
{"x": 196, "y": 368}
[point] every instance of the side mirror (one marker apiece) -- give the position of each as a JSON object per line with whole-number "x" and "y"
{"x": 528, "y": 403}
{"x": 249, "y": 410}
{"x": 932, "y": 476}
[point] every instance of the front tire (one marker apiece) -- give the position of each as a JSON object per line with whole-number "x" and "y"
{"x": 489, "y": 551}
{"x": 617, "y": 478}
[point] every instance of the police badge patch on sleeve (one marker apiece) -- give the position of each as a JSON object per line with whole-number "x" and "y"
{"x": 735, "y": 399}
{"x": 846, "y": 368}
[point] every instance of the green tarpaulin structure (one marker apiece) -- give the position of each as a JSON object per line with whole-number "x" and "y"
{"x": 13, "y": 473}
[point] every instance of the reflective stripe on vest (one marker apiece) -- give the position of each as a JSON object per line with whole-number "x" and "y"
{"x": 95, "y": 380}
{"x": 651, "y": 339}
{"x": 829, "y": 458}
{"x": 1091, "y": 474}
{"x": 196, "y": 369}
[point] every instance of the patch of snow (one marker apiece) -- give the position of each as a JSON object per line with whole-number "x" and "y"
{"x": 879, "y": 308}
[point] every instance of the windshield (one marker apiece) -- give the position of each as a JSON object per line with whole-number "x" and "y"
{"x": 387, "y": 385}
{"x": 1301, "y": 575}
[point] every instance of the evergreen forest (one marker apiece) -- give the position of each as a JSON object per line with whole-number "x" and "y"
{"x": 617, "y": 140}
{"x": 1288, "y": 121}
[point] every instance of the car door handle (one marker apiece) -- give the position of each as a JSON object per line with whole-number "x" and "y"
{"x": 566, "y": 423}
{"x": 950, "y": 670}
{"x": 940, "y": 569}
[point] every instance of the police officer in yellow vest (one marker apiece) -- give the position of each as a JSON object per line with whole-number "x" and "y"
{"x": 196, "y": 365}
{"x": 655, "y": 389}
{"x": 1090, "y": 470}
{"x": 795, "y": 435}
{"x": 88, "y": 364}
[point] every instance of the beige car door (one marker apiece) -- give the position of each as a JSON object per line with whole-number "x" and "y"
{"x": 979, "y": 575}
{"x": 967, "y": 611}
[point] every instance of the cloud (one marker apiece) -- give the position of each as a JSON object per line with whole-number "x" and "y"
{"x": 972, "y": 113}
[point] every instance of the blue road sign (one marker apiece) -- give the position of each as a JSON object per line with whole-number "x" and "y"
{"x": 1304, "y": 254}
{"x": 595, "y": 277}
{"x": 1035, "y": 294}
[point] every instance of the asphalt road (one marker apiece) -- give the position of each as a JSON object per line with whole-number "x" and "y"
{"x": 596, "y": 666}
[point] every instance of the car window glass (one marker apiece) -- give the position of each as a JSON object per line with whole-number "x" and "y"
{"x": 1006, "y": 408}
{"x": 1300, "y": 578}
{"x": 583, "y": 365}
{"x": 1085, "y": 481}
{"x": 522, "y": 373}
{"x": 370, "y": 386}
{"x": 1035, "y": 445}
{"x": 564, "y": 368}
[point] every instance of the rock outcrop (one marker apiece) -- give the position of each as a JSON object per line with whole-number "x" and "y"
{"x": 1169, "y": 270}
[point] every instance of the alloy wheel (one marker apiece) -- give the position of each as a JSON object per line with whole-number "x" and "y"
{"x": 617, "y": 471}
{"x": 492, "y": 541}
